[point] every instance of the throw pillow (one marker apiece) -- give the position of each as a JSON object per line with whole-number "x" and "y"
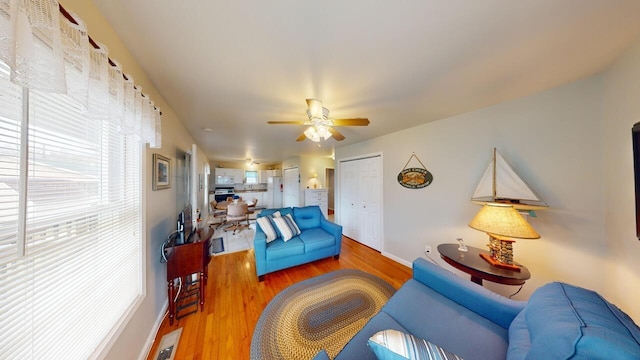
{"x": 276, "y": 214}
{"x": 267, "y": 227}
{"x": 293, "y": 224}
{"x": 287, "y": 227}
{"x": 394, "y": 344}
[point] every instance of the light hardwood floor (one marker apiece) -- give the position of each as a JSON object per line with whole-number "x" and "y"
{"x": 234, "y": 299}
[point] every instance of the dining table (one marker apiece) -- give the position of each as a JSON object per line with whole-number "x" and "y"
{"x": 222, "y": 205}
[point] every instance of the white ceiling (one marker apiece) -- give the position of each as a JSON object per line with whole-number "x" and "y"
{"x": 234, "y": 65}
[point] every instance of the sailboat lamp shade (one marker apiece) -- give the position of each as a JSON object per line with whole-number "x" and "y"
{"x": 503, "y": 220}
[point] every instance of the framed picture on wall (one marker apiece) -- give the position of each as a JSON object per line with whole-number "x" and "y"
{"x": 161, "y": 172}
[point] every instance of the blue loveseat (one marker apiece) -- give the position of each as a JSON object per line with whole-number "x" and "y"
{"x": 319, "y": 239}
{"x": 559, "y": 321}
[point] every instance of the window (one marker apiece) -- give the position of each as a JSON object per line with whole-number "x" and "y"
{"x": 252, "y": 176}
{"x": 70, "y": 226}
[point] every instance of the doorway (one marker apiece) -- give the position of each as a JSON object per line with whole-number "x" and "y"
{"x": 291, "y": 191}
{"x": 329, "y": 176}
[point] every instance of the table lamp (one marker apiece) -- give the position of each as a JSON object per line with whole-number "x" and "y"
{"x": 503, "y": 223}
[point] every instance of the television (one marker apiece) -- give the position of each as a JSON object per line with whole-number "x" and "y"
{"x": 635, "y": 132}
{"x": 185, "y": 226}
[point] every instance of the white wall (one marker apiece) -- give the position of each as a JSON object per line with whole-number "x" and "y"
{"x": 620, "y": 111}
{"x": 552, "y": 139}
{"x": 572, "y": 144}
{"x": 161, "y": 206}
{"x": 310, "y": 165}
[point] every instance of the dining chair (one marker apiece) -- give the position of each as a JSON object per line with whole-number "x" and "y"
{"x": 235, "y": 214}
{"x": 252, "y": 209}
{"x": 218, "y": 213}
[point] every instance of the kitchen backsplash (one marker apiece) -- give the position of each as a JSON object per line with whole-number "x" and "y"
{"x": 250, "y": 187}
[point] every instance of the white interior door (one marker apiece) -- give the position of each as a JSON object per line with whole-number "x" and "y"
{"x": 369, "y": 205}
{"x": 291, "y": 192}
{"x": 361, "y": 200}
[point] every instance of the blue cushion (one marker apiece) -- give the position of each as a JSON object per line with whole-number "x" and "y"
{"x": 278, "y": 249}
{"x": 519, "y": 342}
{"x": 317, "y": 238}
{"x": 307, "y": 217}
{"x": 283, "y": 211}
{"x": 420, "y": 309}
{"x": 566, "y": 322}
{"x": 357, "y": 347}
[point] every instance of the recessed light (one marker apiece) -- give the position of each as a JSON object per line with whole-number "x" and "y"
{"x": 207, "y": 129}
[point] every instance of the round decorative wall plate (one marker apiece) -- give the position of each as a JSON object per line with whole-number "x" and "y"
{"x": 415, "y": 178}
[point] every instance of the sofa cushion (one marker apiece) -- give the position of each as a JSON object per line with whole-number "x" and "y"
{"x": 357, "y": 347}
{"x": 287, "y": 227}
{"x": 429, "y": 315}
{"x": 307, "y": 217}
{"x": 396, "y": 345}
{"x": 317, "y": 238}
{"x": 566, "y": 321}
{"x": 266, "y": 225}
{"x": 278, "y": 249}
{"x": 519, "y": 341}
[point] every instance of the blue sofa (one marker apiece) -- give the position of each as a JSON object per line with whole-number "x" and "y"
{"x": 559, "y": 321}
{"x": 319, "y": 239}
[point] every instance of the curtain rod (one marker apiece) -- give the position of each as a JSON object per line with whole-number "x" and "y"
{"x": 95, "y": 45}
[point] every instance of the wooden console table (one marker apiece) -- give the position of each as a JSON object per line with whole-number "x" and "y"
{"x": 471, "y": 263}
{"x": 185, "y": 260}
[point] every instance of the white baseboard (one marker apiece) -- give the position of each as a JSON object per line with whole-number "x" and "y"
{"x": 397, "y": 259}
{"x": 152, "y": 336}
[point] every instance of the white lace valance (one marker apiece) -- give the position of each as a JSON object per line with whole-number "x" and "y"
{"x": 48, "y": 49}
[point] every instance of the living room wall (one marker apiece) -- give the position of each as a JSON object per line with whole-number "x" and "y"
{"x": 621, "y": 109}
{"x": 161, "y": 207}
{"x": 571, "y": 144}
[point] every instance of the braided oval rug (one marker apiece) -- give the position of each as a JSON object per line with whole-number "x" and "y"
{"x": 323, "y": 312}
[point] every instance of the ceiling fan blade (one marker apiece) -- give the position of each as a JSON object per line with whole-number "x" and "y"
{"x": 336, "y": 135}
{"x": 287, "y": 122}
{"x": 301, "y": 137}
{"x": 351, "y": 122}
{"x": 315, "y": 107}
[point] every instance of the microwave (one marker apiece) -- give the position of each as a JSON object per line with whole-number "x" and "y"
{"x": 225, "y": 180}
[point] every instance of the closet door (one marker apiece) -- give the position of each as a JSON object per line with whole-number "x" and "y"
{"x": 370, "y": 191}
{"x": 349, "y": 198}
{"x": 361, "y": 200}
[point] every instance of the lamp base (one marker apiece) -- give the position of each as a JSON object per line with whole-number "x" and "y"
{"x": 496, "y": 263}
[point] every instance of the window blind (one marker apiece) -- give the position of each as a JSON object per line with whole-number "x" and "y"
{"x": 81, "y": 271}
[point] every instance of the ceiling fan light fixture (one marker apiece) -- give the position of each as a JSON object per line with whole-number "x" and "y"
{"x": 312, "y": 134}
{"x": 323, "y": 132}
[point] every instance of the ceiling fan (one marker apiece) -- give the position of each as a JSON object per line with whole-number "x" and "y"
{"x": 320, "y": 125}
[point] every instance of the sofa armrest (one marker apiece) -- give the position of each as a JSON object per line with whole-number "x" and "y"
{"x": 474, "y": 297}
{"x": 260, "y": 251}
{"x": 333, "y": 229}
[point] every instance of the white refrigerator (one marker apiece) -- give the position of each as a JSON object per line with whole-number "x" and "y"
{"x": 274, "y": 192}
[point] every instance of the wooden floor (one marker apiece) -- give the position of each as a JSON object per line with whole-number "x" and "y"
{"x": 234, "y": 299}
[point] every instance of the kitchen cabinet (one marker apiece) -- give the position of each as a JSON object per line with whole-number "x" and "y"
{"x": 318, "y": 197}
{"x": 237, "y": 174}
{"x": 264, "y": 175}
{"x": 223, "y": 172}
